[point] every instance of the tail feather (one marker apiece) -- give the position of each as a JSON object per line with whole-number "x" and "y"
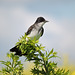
{"x": 16, "y": 50}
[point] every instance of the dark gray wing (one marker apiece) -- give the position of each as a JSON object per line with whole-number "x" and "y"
{"x": 42, "y": 31}
{"x": 29, "y": 30}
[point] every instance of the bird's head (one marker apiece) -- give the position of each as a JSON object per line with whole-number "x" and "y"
{"x": 41, "y": 21}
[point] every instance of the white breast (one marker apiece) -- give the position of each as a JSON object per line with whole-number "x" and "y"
{"x": 34, "y": 35}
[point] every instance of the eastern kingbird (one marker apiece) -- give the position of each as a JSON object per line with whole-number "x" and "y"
{"x": 35, "y": 31}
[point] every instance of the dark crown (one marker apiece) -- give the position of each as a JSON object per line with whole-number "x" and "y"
{"x": 40, "y": 19}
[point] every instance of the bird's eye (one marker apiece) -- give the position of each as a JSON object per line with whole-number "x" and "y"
{"x": 40, "y": 19}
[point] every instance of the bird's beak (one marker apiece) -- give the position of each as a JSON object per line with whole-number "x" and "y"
{"x": 46, "y": 21}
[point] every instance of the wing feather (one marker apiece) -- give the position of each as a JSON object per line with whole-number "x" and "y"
{"x": 30, "y": 29}
{"x": 42, "y": 31}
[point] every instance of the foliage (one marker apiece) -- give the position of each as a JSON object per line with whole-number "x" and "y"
{"x": 46, "y": 67}
{"x": 13, "y": 66}
{"x": 41, "y": 58}
{"x": 33, "y": 51}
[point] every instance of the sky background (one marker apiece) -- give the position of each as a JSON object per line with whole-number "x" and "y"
{"x": 17, "y": 15}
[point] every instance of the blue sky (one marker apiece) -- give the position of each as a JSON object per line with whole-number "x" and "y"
{"x": 16, "y": 16}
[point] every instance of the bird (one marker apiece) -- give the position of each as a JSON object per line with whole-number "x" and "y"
{"x": 34, "y": 31}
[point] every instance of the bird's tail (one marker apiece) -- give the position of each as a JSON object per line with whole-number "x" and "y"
{"x": 16, "y": 50}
